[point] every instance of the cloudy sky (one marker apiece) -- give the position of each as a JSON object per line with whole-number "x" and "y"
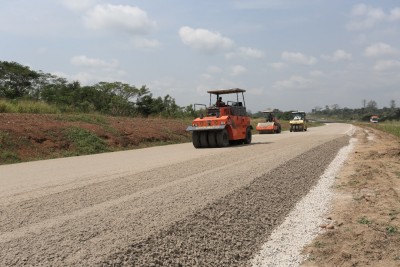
{"x": 287, "y": 54}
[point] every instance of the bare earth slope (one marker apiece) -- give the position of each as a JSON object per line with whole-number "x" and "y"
{"x": 171, "y": 205}
{"x": 366, "y": 210}
{"x": 27, "y": 137}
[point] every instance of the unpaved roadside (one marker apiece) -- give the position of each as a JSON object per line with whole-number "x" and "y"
{"x": 366, "y": 211}
{"x": 212, "y": 207}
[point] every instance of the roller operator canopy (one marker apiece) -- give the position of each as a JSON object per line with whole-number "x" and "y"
{"x": 226, "y": 91}
{"x": 268, "y": 111}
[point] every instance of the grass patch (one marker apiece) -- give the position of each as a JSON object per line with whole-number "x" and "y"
{"x": 392, "y": 127}
{"x": 90, "y": 119}
{"x": 27, "y": 106}
{"x": 85, "y": 141}
{"x": 7, "y": 155}
{"x": 391, "y": 230}
{"x": 319, "y": 244}
{"x": 364, "y": 220}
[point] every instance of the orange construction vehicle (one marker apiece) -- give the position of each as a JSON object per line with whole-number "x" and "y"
{"x": 271, "y": 124}
{"x": 224, "y": 122}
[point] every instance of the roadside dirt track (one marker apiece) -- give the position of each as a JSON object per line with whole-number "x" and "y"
{"x": 172, "y": 205}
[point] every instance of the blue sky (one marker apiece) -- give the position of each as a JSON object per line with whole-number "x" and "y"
{"x": 287, "y": 54}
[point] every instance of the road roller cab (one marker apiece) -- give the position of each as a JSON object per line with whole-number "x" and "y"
{"x": 222, "y": 123}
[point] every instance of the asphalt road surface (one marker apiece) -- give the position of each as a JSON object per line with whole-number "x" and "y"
{"x": 162, "y": 206}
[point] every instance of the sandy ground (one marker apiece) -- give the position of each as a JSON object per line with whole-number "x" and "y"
{"x": 172, "y": 205}
{"x": 365, "y": 215}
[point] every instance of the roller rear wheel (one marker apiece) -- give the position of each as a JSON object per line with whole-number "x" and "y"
{"x": 223, "y": 138}
{"x": 247, "y": 140}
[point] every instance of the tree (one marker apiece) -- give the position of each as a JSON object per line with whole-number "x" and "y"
{"x": 372, "y": 105}
{"x": 16, "y": 80}
{"x": 364, "y": 103}
{"x": 392, "y": 104}
{"x": 335, "y": 107}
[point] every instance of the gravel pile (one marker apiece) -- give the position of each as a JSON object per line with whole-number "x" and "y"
{"x": 230, "y": 231}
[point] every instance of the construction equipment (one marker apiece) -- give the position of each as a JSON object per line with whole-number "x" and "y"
{"x": 224, "y": 123}
{"x": 298, "y": 121}
{"x": 374, "y": 119}
{"x": 271, "y": 124}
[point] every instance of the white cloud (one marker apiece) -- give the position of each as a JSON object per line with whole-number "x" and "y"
{"x": 394, "y": 14}
{"x": 294, "y": 82}
{"x": 204, "y": 40}
{"x": 245, "y": 52}
{"x": 338, "y": 55}
{"x": 78, "y": 5}
{"x": 214, "y": 69}
{"x": 207, "y": 76}
{"x": 140, "y": 42}
{"x": 128, "y": 19}
{"x": 298, "y": 58}
{"x": 317, "y": 73}
{"x": 92, "y": 76}
{"x": 237, "y": 70}
{"x": 365, "y": 17}
{"x": 270, "y": 4}
{"x": 248, "y": 52}
{"x": 387, "y": 65}
{"x": 277, "y": 65}
{"x": 92, "y": 62}
{"x": 210, "y": 71}
{"x": 380, "y": 49}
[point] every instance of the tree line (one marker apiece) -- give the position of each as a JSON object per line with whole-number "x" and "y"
{"x": 18, "y": 82}
{"x": 364, "y": 113}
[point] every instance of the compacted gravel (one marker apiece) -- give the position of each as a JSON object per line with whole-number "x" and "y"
{"x": 229, "y": 231}
{"x": 166, "y": 206}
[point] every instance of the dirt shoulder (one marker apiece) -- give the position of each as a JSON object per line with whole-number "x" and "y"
{"x": 366, "y": 211}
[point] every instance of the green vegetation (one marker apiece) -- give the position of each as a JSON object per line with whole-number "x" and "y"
{"x": 364, "y": 220}
{"x": 319, "y": 244}
{"x": 6, "y": 149}
{"x": 28, "y": 91}
{"x": 392, "y": 127}
{"x": 27, "y": 106}
{"x": 85, "y": 141}
{"x": 391, "y": 230}
{"x": 370, "y": 108}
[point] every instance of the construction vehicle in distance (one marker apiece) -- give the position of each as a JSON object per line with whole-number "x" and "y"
{"x": 271, "y": 125}
{"x": 298, "y": 121}
{"x": 224, "y": 123}
{"x": 374, "y": 119}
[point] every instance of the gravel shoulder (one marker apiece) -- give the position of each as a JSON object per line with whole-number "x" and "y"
{"x": 365, "y": 213}
{"x": 171, "y": 205}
